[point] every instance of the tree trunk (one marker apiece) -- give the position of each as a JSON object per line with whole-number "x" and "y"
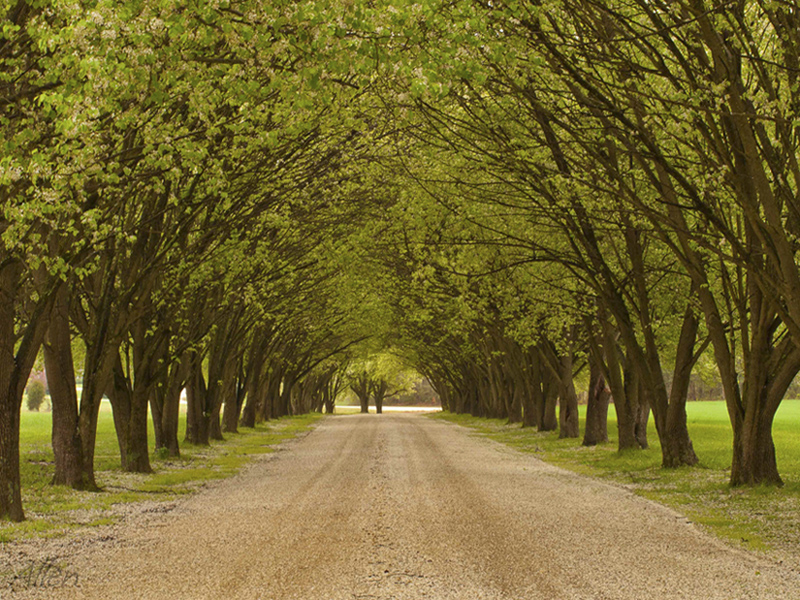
{"x": 626, "y": 405}
{"x": 170, "y": 418}
{"x": 96, "y": 374}
{"x": 642, "y": 416}
{"x": 549, "y": 420}
{"x": 272, "y": 392}
{"x": 119, "y": 394}
{"x": 161, "y": 395}
{"x": 214, "y": 419}
{"x": 568, "y": 405}
{"x": 676, "y": 445}
{"x": 149, "y": 349}
{"x": 364, "y": 402}
{"x": 255, "y": 369}
{"x": 10, "y": 484}
{"x": 515, "y": 407}
{"x": 17, "y": 356}
{"x": 232, "y": 399}
{"x": 157, "y": 399}
{"x": 754, "y": 460}
{"x": 361, "y": 388}
{"x": 11, "y": 401}
{"x": 136, "y": 434}
{"x": 284, "y": 407}
{"x": 66, "y": 435}
{"x": 624, "y": 384}
{"x": 196, "y": 412}
{"x": 596, "y": 428}
{"x": 533, "y": 409}
{"x": 130, "y": 420}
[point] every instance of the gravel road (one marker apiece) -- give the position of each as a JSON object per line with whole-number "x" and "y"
{"x": 405, "y": 507}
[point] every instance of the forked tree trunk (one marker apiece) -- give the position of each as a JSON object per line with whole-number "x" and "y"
{"x": 642, "y": 416}
{"x": 624, "y": 384}
{"x": 196, "y": 412}
{"x": 272, "y": 392}
{"x": 284, "y": 407}
{"x": 568, "y": 404}
{"x": 676, "y": 445}
{"x": 596, "y": 428}
{"x": 17, "y": 356}
{"x": 361, "y": 388}
{"x": 214, "y": 419}
{"x": 138, "y": 454}
{"x": 754, "y": 460}
{"x": 66, "y": 435}
{"x": 515, "y": 406}
{"x": 160, "y": 395}
{"x": 96, "y": 374}
{"x": 533, "y": 408}
{"x": 529, "y": 411}
{"x": 379, "y": 390}
{"x": 549, "y": 420}
{"x": 170, "y": 417}
{"x": 157, "y": 399}
{"x": 475, "y": 405}
{"x": 149, "y": 350}
{"x": 130, "y": 421}
{"x": 255, "y": 369}
{"x": 626, "y": 405}
{"x": 232, "y": 399}
{"x": 248, "y": 418}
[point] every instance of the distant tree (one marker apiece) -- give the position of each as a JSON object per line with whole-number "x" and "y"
{"x": 35, "y": 394}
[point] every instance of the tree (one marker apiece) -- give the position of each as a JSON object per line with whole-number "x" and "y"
{"x": 35, "y": 394}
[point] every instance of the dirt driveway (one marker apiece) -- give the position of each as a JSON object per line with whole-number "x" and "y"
{"x": 405, "y": 507}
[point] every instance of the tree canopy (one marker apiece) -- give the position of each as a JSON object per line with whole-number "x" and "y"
{"x": 252, "y": 200}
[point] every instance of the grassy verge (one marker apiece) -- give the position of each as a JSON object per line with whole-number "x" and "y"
{"x": 761, "y": 518}
{"x": 55, "y": 510}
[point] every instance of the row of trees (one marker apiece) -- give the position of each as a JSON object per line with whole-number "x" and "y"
{"x": 603, "y": 184}
{"x": 230, "y": 197}
{"x": 173, "y": 187}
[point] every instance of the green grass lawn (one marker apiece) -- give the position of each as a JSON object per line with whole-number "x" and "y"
{"x": 54, "y": 510}
{"x": 761, "y": 518}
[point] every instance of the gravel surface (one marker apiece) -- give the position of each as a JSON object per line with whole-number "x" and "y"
{"x": 398, "y": 507}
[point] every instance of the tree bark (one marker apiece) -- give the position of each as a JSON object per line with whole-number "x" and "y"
{"x": 361, "y": 388}
{"x": 129, "y": 406}
{"x": 642, "y": 416}
{"x": 533, "y": 409}
{"x": 17, "y": 357}
{"x": 596, "y": 428}
{"x": 11, "y": 401}
{"x": 170, "y": 418}
{"x": 548, "y": 421}
{"x": 624, "y": 384}
{"x": 96, "y": 374}
{"x": 754, "y": 460}
{"x": 197, "y": 415}
{"x": 255, "y": 368}
{"x": 66, "y": 435}
{"x": 676, "y": 445}
{"x": 233, "y": 397}
{"x": 272, "y": 391}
